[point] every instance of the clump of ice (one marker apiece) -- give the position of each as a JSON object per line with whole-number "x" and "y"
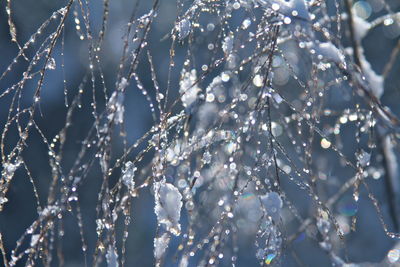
{"x": 168, "y": 206}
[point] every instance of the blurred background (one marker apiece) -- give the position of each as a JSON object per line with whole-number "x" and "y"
{"x": 368, "y": 244}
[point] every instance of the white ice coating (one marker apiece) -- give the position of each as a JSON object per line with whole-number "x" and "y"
{"x": 168, "y": 206}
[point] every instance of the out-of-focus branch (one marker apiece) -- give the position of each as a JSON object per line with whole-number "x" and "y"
{"x": 354, "y": 42}
{"x": 389, "y": 159}
{"x": 392, "y": 180}
{"x": 331, "y": 201}
{"x": 392, "y": 59}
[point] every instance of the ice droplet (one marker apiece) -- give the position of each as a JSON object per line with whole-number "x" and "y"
{"x": 51, "y": 64}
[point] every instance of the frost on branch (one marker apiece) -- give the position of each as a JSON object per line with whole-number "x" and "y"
{"x": 375, "y": 81}
{"x": 168, "y": 206}
{"x": 326, "y": 50}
